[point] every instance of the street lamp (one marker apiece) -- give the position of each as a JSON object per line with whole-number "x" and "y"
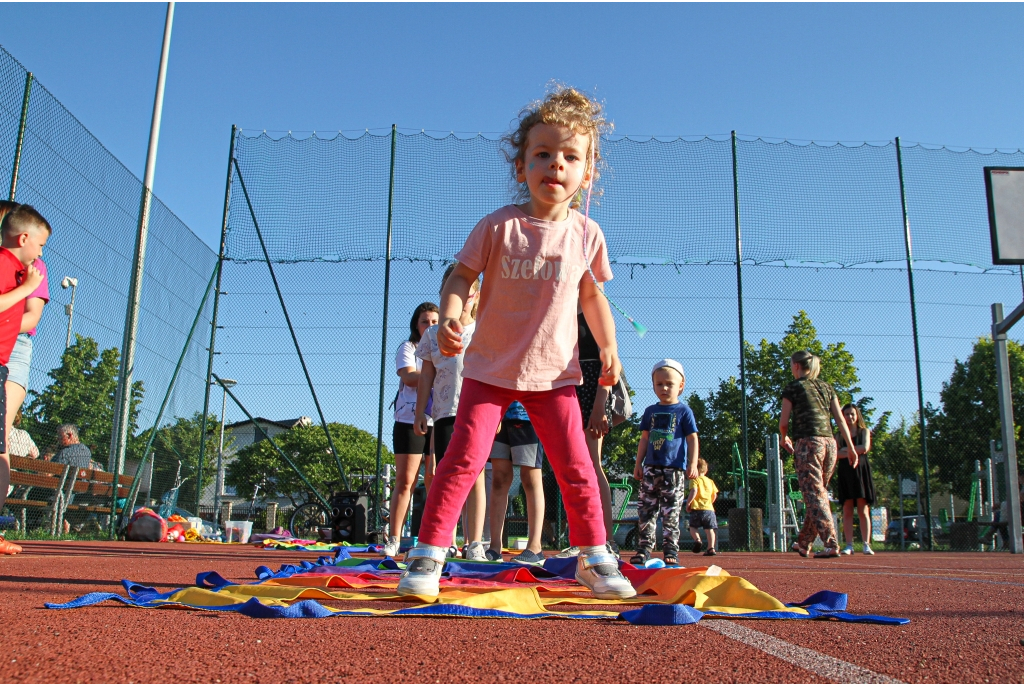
{"x": 69, "y": 309}
{"x": 225, "y": 383}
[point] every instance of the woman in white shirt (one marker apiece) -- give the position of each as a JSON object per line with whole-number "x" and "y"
{"x": 409, "y": 447}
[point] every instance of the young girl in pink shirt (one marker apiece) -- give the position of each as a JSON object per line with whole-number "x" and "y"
{"x": 538, "y": 260}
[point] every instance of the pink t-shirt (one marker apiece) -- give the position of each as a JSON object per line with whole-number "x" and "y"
{"x": 526, "y": 326}
{"x": 43, "y": 291}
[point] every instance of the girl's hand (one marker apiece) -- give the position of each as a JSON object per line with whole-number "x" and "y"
{"x": 610, "y": 367}
{"x": 420, "y": 427}
{"x": 853, "y": 459}
{"x": 787, "y": 444}
{"x": 598, "y": 423}
{"x": 449, "y": 337}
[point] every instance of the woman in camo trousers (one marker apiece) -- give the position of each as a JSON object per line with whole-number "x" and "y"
{"x": 806, "y": 433}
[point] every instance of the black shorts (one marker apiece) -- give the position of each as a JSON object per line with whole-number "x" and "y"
{"x": 405, "y": 440}
{"x": 443, "y": 429}
{"x": 703, "y": 518}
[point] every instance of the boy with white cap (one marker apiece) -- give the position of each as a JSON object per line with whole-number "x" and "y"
{"x": 666, "y": 457}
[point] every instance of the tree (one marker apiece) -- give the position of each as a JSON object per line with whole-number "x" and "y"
{"x": 960, "y": 432}
{"x": 82, "y": 392}
{"x": 180, "y": 441}
{"x": 768, "y": 371}
{"x": 260, "y": 464}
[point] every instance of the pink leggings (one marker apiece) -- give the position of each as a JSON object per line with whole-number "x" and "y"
{"x": 556, "y": 418}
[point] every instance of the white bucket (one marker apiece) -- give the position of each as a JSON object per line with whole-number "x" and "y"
{"x": 237, "y": 531}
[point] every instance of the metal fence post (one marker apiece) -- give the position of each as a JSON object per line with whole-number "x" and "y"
{"x": 743, "y": 351}
{"x": 123, "y": 403}
{"x": 213, "y": 322}
{"x": 384, "y": 330}
{"x": 21, "y": 135}
{"x": 917, "y": 347}
{"x": 1007, "y": 428}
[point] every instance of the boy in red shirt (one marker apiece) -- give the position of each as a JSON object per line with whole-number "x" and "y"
{"x": 24, "y": 232}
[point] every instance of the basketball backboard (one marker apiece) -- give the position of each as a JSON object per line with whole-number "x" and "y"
{"x": 1004, "y": 187}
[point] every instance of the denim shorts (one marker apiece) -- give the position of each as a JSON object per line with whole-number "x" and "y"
{"x": 518, "y": 441}
{"x": 705, "y": 519}
{"x": 20, "y": 362}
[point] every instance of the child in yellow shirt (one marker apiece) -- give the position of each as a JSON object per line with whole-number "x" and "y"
{"x": 700, "y": 504}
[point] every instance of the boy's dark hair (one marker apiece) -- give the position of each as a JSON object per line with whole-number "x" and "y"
{"x": 22, "y": 219}
{"x": 414, "y": 331}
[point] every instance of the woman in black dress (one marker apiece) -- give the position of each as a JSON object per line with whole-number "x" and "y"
{"x": 855, "y": 484}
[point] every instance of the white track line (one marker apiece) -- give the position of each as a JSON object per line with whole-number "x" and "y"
{"x": 866, "y": 572}
{"x": 815, "y": 662}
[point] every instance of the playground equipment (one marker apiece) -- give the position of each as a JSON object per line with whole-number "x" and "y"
{"x": 782, "y": 493}
{"x": 779, "y": 498}
{"x": 981, "y": 485}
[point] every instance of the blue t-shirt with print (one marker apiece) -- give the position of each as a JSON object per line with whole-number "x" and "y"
{"x": 668, "y": 425}
{"x": 516, "y": 412}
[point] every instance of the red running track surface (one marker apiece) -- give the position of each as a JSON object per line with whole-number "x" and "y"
{"x": 966, "y": 611}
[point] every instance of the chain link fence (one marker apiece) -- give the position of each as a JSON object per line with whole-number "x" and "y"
{"x": 823, "y": 263}
{"x": 805, "y": 243}
{"x": 92, "y": 201}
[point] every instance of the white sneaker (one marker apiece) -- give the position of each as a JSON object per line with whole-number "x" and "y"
{"x": 475, "y": 551}
{"x": 868, "y": 550}
{"x": 600, "y": 573}
{"x": 422, "y": 575}
{"x": 847, "y": 551}
{"x": 391, "y": 546}
{"x": 568, "y": 553}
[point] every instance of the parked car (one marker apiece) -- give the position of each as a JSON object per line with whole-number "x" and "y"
{"x": 913, "y": 530}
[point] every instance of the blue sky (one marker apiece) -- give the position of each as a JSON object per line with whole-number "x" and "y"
{"x": 946, "y": 73}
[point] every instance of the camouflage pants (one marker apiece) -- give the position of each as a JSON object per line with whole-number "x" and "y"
{"x": 814, "y": 460}
{"x": 662, "y": 491}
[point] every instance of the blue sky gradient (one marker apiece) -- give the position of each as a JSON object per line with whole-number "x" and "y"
{"x": 942, "y": 74}
{"x": 947, "y": 74}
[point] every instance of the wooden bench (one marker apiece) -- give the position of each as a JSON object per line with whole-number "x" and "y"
{"x": 42, "y": 485}
{"x": 93, "y": 489}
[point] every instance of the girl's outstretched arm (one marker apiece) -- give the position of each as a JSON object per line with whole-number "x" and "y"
{"x": 599, "y": 318}
{"x": 426, "y": 383}
{"x": 453, "y": 299}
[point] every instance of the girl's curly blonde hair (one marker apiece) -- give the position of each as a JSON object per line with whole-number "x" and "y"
{"x": 562, "y": 106}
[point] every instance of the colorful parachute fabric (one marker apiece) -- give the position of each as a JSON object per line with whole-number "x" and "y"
{"x": 665, "y": 596}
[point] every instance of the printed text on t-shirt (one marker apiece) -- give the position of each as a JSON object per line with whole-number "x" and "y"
{"x": 539, "y": 269}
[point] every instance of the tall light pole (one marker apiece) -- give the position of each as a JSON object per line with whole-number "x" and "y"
{"x": 69, "y": 309}
{"x": 123, "y": 397}
{"x": 226, "y": 383}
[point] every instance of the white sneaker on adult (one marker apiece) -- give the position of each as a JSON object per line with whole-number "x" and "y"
{"x": 475, "y": 551}
{"x": 847, "y": 551}
{"x": 392, "y": 545}
{"x": 868, "y": 550}
{"x": 422, "y": 574}
{"x": 599, "y": 571}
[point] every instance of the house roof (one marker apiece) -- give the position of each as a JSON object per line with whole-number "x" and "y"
{"x": 286, "y": 424}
